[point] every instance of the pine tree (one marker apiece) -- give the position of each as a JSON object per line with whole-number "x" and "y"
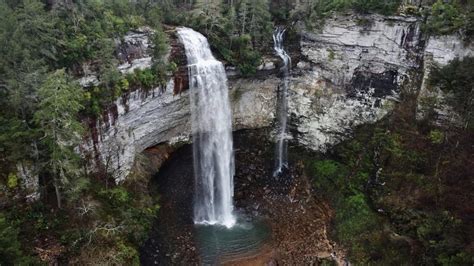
{"x": 59, "y": 104}
{"x": 243, "y": 15}
{"x": 209, "y": 13}
{"x": 260, "y": 25}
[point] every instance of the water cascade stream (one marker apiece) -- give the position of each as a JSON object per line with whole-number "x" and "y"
{"x": 281, "y": 158}
{"x": 212, "y": 132}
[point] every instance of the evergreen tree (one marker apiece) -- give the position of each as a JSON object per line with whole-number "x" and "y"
{"x": 243, "y": 15}
{"x": 260, "y": 25}
{"x": 208, "y": 14}
{"x": 59, "y": 104}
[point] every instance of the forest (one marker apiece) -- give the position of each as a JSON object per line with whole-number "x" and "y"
{"x": 80, "y": 216}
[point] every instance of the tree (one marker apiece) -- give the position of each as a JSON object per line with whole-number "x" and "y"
{"x": 445, "y": 18}
{"x": 59, "y": 104}
{"x": 27, "y": 45}
{"x": 260, "y": 24}
{"x": 208, "y": 14}
{"x": 243, "y": 15}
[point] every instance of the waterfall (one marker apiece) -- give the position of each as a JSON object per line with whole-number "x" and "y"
{"x": 281, "y": 158}
{"x": 212, "y": 132}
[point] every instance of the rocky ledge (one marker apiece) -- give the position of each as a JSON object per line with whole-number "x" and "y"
{"x": 350, "y": 73}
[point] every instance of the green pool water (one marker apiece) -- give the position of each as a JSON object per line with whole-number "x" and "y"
{"x": 218, "y": 243}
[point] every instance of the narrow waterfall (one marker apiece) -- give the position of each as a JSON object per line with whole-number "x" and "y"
{"x": 281, "y": 158}
{"x": 212, "y": 132}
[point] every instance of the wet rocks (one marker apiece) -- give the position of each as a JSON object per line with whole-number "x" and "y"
{"x": 298, "y": 220}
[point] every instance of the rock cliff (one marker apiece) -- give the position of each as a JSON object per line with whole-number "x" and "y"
{"x": 358, "y": 66}
{"x": 438, "y": 52}
{"x": 350, "y": 73}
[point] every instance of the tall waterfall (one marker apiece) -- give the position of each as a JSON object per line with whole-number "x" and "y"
{"x": 281, "y": 158}
{"x": 212, "y": 132}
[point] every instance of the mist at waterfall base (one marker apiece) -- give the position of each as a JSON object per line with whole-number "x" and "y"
{"x": 219, "y": 244}
{"x": 281, "y": 149}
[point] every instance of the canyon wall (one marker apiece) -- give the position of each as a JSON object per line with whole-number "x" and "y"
{"x": 355, "y": 70}
{"x": 431, "y": 100}
{"x": 349, "y": 73}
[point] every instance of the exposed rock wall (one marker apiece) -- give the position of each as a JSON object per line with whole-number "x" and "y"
{"x": 438, "y": 52}
{"x": 143, "y": 120}
{"x": 350, "y": 73}
{"x": 358, "y": 67}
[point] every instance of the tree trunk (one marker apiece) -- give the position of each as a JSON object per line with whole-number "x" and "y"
{"x": 58, "y": 194}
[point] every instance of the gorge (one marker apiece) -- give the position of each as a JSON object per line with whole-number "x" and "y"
{"x": 265, "y": 132}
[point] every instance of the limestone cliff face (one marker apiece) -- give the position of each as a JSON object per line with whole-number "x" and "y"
{"x": 354, "y": 71}
{"x": 143, "y": 120}
{"x": 438, "y": 52}
{"x": 350, "y": 73}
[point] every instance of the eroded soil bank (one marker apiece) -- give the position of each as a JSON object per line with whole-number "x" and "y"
{"x": 299, "y": 221}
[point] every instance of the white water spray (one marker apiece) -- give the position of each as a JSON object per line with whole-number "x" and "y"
{"x": 212, "y": 132}
{"x": 281, "y": 158}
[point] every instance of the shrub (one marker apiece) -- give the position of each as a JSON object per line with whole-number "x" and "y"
{"x": 115, "y": 196}
{"x": 436, "y": 136}
{"x": 244, "y": 56}
{"x": 12, "y": 181}
{"x": 331, "y": 55}
{"x": 445, "y": 18}
{"x": 10, "y": 246}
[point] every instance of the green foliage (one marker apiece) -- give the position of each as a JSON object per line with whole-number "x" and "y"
{"x": 411, "y": 10}
{"x": 314, "y": 12}
{"x": 115, "y": 196}
{"x": 59, "y": 105}
{"x": 386, "y": 7}
{"x": 355, "y": 222}
{"x": 380, "y": 183}
{"x": 239, "y": 32}
{"x": 354, "y": 218}
{"x": 329, "y": 177}
{"x": 160, "y": 45}
{"x": 444, "y": 236}
{"x": 469, "y": 23}
{"x": 128, "y": 254}
{"x": 436, "y": 136}
{"x": 244, "y": 56}
{"x": 327, "y": 169}
{"x": 142, "y": 79}
{"x": 10, "y": 246}
{"x": 12, "y": 181}
{"x": 42, "y": 52}
{"x": 331, "y": 55}
{"x": 457, "y": 80}
{"x": 445, "y": 18}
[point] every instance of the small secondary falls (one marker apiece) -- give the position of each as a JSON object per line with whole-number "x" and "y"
{"x": 281, "y": 158}
{"x": 212, "y": 132}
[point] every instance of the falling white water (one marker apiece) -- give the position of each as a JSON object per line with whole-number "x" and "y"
{"x": 281, "y": 158}
{"x": 212, "y": 132}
